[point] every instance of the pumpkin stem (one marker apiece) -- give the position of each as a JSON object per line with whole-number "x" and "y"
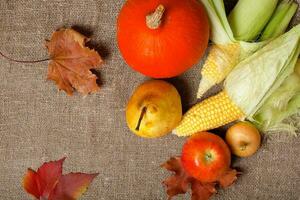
{"x": 153, "y": 20}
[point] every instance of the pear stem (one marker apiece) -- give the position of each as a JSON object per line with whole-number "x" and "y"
{"x": 23, "y": 61}
{"x": 243, "y": 146}
{"x": 153, "y": 20}
{"x": 144, "y": 110}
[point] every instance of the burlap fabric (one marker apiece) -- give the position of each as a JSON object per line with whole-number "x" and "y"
{"x": 39, "y": 123}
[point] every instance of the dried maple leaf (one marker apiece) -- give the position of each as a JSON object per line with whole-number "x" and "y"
{"x": 228, "y": 178}
{"x": 202, "y": 191}
{"x": 180, "y": 181}
{"x": 48, "y": 183}
{"x": 71, "y": 62}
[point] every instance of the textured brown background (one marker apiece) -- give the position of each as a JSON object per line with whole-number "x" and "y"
{"x": 38, "y": 123}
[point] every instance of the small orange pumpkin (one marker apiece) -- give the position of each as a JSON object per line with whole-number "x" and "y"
{"x": 162, "y": 38}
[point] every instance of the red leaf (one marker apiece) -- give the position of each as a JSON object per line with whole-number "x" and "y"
{"x": 30, "y": 183}
{"x": 41, "y": 183}
{"x": 48, "y": 176}
{"x": 48, "y": 183}
{"x": 181, "y": 180}
{"x": 72, "y": 186}
{"x": 71, "y": 62}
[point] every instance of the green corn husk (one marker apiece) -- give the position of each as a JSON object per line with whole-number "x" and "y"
{"x": 280, "y": 20}
{"x": 249, "y": 17}
{"x": 221, "y": 34}
{"x": 281, "y": 111}
{"x": 227, "y": 51}
{"x": 263, "y": 75}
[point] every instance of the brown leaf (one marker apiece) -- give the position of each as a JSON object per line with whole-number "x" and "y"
{"x": 71, "y": 62}
{"x": 202, "y": 191}
{"x": 179, "y": 182}
{"x": 228, "y": 178}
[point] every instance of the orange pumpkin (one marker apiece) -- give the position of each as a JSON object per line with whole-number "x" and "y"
{"x": 162, "y": 38}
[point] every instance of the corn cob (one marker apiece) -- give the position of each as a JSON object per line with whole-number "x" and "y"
{"x": 226, "y": 51}
{"x": 220, "y": 61}
{"x": 247, "y": 20}
{"x": 209, "y": 114}
{"x": 247, "y": 87}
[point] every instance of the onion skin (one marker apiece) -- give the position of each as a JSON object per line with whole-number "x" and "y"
{"x": 243, "y": 139}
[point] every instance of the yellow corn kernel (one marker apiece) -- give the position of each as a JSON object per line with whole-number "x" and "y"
{"x": 220, "y": 61}
{"x": 211, "y": 113}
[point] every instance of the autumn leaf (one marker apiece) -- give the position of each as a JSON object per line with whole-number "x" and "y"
{"x": 30, "y": 183}
{"x": 180, "y": 181}
{"x": 48, "y": 183}
{"x": 228, "y": 178}
{"x": 72, "y": 186}
{"x": 41, "y": 183}
{"x": 71, "y": 62}
{"x": 202, "y": 191}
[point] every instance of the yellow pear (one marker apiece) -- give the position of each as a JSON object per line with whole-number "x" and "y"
{"x": 154, "y": 109}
